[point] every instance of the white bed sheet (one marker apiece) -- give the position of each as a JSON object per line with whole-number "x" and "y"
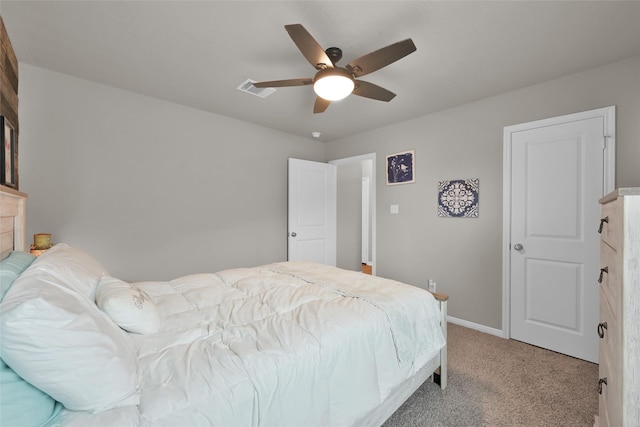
{"x": 286, "y": 344}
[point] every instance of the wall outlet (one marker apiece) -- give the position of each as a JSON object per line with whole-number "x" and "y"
{"x": 432, "y": 285}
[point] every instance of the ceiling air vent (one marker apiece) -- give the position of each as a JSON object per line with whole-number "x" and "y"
{"x": 248, "y": 87}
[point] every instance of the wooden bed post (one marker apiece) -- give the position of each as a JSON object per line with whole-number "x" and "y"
{"x": 12, "y": 221}
{"x": 442, "y": 371}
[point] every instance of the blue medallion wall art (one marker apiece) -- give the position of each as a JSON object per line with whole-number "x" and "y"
{"x": 458, "y": 198}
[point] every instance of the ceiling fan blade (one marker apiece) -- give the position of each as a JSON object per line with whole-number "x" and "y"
{"x": 369, "y": 90}
{"x": 320, "y": 105}
{"x": 284, "y": 83}
{"x": 381, "y": 58}
{"x": 309, "y": 46}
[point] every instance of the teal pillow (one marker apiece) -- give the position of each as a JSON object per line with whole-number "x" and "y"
{"x": 11, "y": 267}
{"x": 21, "y": 404}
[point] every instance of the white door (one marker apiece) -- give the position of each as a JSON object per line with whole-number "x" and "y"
{"x": 557, "y": 177}
{"x": 312, "y": 212}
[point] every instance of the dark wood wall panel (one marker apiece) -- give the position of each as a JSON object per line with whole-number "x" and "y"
{"x": 9, "y": 88}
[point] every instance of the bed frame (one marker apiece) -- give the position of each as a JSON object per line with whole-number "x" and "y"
{"x": 12, "y": 237}
{"x": 436, "y": 369}
{"x": 12, "y": 221}
{"x": 440, "y": 375}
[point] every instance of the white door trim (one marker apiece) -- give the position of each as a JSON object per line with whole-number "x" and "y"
{"x": 609, "y": 116}
{"x": 372, "y": 200}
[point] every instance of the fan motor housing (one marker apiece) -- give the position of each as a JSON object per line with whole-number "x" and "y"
{"x": 334, "y": 54}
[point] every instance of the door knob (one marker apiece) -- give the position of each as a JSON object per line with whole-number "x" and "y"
{"x": 294, "y": 234}
{"x": 518, "y": 247}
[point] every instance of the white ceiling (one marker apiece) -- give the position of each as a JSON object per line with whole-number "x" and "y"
{"x": 197, "y": 53}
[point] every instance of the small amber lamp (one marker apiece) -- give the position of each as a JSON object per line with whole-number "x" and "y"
{"x": 41, "y": 242}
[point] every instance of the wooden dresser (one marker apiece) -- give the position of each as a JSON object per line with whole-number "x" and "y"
{"x": 619, "y": 327}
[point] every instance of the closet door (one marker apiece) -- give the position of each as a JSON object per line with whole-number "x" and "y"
{"x": 556, "y": 181}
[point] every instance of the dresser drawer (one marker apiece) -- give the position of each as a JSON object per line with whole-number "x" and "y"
{"x": 609, "y": 336}
{"x": 610, "y": 283}
{"x": 610, "y": 398}
{"x": 603, "y": 398}
{"x": 611, "y": 229}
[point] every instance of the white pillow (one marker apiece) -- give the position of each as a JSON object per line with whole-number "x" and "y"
{"x": 57, "y": 339}
{"x": 75, "y": 269}
{"x": 128, "y": 306}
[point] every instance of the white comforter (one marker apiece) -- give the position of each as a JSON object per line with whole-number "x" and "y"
{"x": 286, "y": 344}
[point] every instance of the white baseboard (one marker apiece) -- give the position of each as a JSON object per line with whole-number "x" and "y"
{"x": 476, "y": 326}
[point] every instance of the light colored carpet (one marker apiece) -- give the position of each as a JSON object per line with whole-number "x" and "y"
{"x": 503, "y": 383}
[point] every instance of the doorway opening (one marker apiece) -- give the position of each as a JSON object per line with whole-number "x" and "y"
{"x": 356, "y": 213}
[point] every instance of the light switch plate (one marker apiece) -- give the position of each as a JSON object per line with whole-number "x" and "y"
{"x": 395, "y": 209}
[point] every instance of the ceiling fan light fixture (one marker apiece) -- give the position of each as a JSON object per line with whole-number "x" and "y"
{"x": 333, "y": 84}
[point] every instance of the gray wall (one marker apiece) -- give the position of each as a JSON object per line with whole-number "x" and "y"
{"x": 152, "y": 189}
{"x": 156, "y": 190}
{"x": 464, "y": 256}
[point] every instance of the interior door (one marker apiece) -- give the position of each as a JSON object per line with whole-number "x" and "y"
{"x": 557, "y": 175}
{"x": 312, "y": 212}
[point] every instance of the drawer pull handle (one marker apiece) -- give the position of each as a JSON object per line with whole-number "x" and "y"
{"x": 602, "y": 271}
{"x": 600, "y": 382}
{"x": 601, "y": 327}
{"x": 602, "y": 221}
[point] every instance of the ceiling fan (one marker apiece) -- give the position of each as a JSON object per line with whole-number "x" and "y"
{"x": 332, "y": 83}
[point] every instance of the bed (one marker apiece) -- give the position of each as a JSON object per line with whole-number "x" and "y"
{"x": 283, "y": 344}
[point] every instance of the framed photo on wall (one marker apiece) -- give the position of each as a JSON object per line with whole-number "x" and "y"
{"x": 7, "y": 164}
{"x": 401, "y": 168}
